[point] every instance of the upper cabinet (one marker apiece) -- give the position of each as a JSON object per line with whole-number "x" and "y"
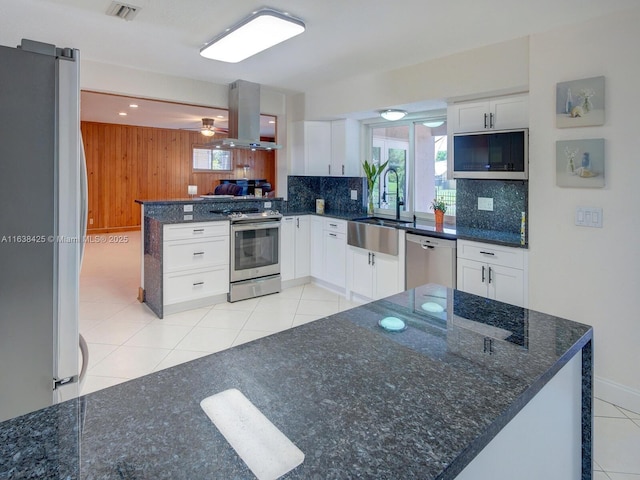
{"x": 500, "y": 113}
{"x": 326, "y": 148}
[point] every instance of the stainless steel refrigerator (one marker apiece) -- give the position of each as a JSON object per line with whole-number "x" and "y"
{"x": 42, "y": 221}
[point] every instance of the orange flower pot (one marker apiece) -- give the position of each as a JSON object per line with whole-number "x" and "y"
{"x": 439, "y": 218}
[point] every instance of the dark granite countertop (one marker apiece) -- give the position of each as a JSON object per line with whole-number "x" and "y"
{"x": 360, "y": 402}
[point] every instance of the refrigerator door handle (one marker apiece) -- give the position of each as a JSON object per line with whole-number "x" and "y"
{"x": 84, "y": 200}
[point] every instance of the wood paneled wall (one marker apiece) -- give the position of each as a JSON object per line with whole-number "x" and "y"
{"x": 126, "y": 163}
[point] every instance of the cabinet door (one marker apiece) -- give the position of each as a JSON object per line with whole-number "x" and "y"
{"x": 506, "y": 284}
{"x": 335, "y": 258}
{"x": 317, "y": 147}
{"x": 361, "y": 275}
{"x": 316, "y": 249}
{"x": 345, "y": 147}
{"x": 302, "y": 238}
{"x": 469, "y": 117}
{"x": 287, "y": 248}
{"x": 472, "y": 276}
{"x": 510, "y": 112}
{"x": 386, "y": 275}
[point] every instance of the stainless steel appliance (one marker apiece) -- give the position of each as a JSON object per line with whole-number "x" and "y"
{"x": 255, "y": 254}
{"x": 42, "y": 220}
{"x": 430, "y": 260}
{"x": 492, "y": 155}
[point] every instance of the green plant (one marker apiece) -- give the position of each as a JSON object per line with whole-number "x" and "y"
{"x": 438, "y": 205}
{"x": 372, "y": 172}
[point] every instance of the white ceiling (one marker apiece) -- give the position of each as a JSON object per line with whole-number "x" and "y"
{"x": 344, "y": 38}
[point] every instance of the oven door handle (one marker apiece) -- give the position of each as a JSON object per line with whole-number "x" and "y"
{"x": 241, "y": 227}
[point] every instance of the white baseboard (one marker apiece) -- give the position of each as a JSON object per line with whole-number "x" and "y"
{"x": 616, "y": 393}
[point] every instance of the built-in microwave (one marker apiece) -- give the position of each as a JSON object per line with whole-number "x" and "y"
{"x": 492, "y": 155}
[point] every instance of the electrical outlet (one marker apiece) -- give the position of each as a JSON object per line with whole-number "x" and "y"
{"x": 267, "y": 204}
{"x": 589, "y": 217}
{"x": 354, "y": 195}
{"x": 91, "y": 221}
{"x": 188, "y": 208}
{"x": 485, "y": 203}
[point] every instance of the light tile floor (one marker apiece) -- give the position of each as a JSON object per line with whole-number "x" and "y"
{"x": 126, "y": 340}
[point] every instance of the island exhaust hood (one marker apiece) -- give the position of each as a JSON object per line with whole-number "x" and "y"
{"x": 244, "y": 119}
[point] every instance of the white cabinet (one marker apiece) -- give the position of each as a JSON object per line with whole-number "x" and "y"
{"x": 294, "y": 247}
{"x": 374, "y": 275}
{"x": 323, "y": 148}
{"x": 195, "y": 262}
{"x": 501, "y": 113}
{"x": 328, "y": 251}
{"x": 493, "y": 271}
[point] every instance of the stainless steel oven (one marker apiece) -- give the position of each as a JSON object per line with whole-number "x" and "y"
{"x": 255, "y": 255}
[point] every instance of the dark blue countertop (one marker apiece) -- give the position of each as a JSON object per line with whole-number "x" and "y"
{"x": 360, "y": 402}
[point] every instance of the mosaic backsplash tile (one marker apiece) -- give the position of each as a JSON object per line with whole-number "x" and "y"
{"x": 510, "y": 199}
{"x": 336, "y": 192}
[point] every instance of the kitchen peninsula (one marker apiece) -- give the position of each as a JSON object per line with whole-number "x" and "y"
{"x": 471, "y": 386}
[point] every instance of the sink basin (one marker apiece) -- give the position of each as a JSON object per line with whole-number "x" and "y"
{"x": 371, "y": 234}
{"x": 383, "y": 222}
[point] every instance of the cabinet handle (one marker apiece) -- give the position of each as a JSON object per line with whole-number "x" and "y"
{"x": 198, "y": 253}
{"x": 373, "y": 259}
{"x": 487, "y": 253}
{"x": 342, "y": 169}
{"x": 334, "y": 225}
{"x": 369, "y": 263}
{"x": 489, "y": 274}
{"x": 485, "y": 120}
{"x": 333, "y": 235}
{"x": 329, "y": 169}
{"x": 298, "y": 222}
{"x": 491, "y": 123}
{"x": 198, "y": 284}
{"x": 198, "y": 230}
{"x": 483, "y": 274}
{"x": 488, "y": 345}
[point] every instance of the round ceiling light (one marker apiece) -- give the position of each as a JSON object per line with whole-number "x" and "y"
{"x": 393, "y": 115}
{"x": 433, "y": 123}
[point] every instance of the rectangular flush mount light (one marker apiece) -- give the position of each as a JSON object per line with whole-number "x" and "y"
{"x": 260, "y": 30}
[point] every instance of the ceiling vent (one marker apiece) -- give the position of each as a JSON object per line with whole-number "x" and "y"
{"x": 123, "y": 11}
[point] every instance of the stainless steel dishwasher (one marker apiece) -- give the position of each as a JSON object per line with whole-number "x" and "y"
{"x": 430, "y": 260}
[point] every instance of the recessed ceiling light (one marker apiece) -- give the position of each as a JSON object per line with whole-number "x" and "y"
{"x": 133, "y": 105}
{"x": 392, "y": 114}
{"x": 272, "y": 121}
{"x": 122, "y": 114}
{"x": 260, "y": 30}
{"x": 220, "y": 116}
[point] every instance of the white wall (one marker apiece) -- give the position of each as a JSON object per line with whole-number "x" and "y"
{"x": 586, "y": 274}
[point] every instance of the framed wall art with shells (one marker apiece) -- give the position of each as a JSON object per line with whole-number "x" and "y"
{"x": 580, "y": 163}
{"x": 580, "y": 103}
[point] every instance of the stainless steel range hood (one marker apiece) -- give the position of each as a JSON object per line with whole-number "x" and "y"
{"x": 244, "y": 119}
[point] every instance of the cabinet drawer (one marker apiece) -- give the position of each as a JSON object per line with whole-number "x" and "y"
{"x": 494, "y": 254}
{"x": 334, "y": 225}
{"x": 186, "y": 231}
{"x": 184, "y": 286}
{"x": 185, "y": 254}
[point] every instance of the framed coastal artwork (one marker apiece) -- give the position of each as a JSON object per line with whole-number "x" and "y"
{"x": 580, "y": 103}
{"x": 580, "y": 163}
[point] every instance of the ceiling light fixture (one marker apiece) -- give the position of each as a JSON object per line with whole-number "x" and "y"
{"x": 133, "y": 105}
{"x": 260, "y": 30}
{"x": 207, "y": 127}
{"x": 392, "y": 115}
{"x": 433, "y": 123}
{"x": 122, "y": 114}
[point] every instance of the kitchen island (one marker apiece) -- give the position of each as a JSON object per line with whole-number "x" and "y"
{"x": 428, "y": 402}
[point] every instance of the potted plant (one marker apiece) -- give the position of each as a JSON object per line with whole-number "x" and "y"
{"x": 439, "y": 208}
{"x": 372, "y": 172}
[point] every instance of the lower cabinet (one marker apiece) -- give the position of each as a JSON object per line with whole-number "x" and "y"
{"x": 374, "y": 275}
{"x": 328, "y": 251}
{"x": 195, "y": 264}
{"x": 294, "y": 247}
{"x": 493, "y": 271}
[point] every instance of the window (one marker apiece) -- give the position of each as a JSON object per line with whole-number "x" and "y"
{"x": 207, "y": 159}
{"x": 418, "y": 153}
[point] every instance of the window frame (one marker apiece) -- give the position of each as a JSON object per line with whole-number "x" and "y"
{"x": 410, "y": 120}
{"x": 199, "y": 146}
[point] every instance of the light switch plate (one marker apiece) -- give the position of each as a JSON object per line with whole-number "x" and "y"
{"x": 354, "y": 195}
{"x": 267, "y": 204}
{"x": 589, "y": 217}
{"x": 188, "y": 208}
{"x": 485, "y": 203}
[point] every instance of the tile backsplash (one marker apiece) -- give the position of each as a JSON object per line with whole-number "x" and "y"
{"x": 336, "y": 191}
{"x": 510, "y": 199}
